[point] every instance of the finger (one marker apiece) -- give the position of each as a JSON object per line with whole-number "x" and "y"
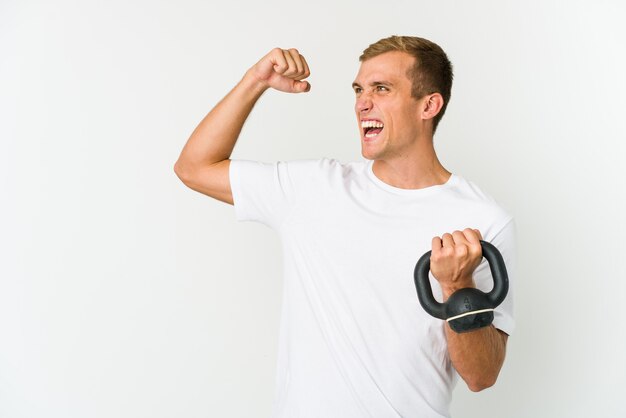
{"x": 480, "y": 236}
{"x": 460, "y": 238}
{"x": 293, "y": 68}
{"x": 301, "y": 86}
{"x": 436, "y": 245}
{"x": 307, "y": 72}
{"x": 462, "y": 246}
{"x": 295, "y": 55}
{"x": 447, "y": 240}
{"x": 278, "y": 59}
{"x": 473, "y": 239}
{"x": 471, "y": 235}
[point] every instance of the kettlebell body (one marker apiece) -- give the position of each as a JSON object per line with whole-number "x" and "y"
{"x": 466, "y": 309}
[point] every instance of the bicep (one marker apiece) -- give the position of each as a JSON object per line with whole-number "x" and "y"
{"x": 212, "y": 180}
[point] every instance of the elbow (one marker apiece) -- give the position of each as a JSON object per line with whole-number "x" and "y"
{"x": 479, "y": 387}
{"x": 182, "y": 172}
{"x": 481, "y": 384}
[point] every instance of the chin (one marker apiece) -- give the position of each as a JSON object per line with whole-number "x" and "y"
{"x": 368, "y": 153}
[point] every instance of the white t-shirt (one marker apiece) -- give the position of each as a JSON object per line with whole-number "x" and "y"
{"x": 354, "y": 340}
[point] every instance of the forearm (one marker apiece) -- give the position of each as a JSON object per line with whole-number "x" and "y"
{"x": 477, "y": 355}
{"x": 214, "y": 138}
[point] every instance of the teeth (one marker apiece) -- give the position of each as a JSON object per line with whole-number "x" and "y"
{"x": 371, "y": 124}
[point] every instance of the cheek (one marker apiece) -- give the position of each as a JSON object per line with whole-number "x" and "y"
{"x": 406, "y": 118}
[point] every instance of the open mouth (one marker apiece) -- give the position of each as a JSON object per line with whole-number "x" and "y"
{"x": 371, "y": 128}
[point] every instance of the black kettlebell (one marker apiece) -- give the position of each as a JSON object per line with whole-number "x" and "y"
{"x": 466, "y": 309}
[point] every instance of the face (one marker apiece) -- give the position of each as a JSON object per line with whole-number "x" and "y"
{"x": 388, "y": 116}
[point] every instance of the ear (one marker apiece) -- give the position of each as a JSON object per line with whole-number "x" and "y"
{"x": 431, "y": 105}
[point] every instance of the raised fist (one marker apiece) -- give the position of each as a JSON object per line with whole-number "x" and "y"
{"x": 282, "y": 69}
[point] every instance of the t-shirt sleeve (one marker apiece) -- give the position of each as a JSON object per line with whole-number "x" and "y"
{"x": 262, "y": 192}
{"x": 504, "y": 240}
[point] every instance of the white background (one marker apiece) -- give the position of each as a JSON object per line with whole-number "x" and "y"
{"x": 124, "y": 294}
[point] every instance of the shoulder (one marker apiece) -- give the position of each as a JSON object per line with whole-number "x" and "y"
{"x": 470, "y": 190}
{"x": 326, "y": 164}
{"x": 323, "y": 168}
{"x": 301, "y": 173}
{"x": 475, "y": 199}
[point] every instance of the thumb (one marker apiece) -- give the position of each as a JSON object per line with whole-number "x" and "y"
{"x": 301, "y": 86}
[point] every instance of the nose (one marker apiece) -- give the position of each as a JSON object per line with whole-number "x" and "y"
{"x": 363, "y": 103}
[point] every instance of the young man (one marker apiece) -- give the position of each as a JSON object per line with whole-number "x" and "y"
{"x": 354, "y": 340}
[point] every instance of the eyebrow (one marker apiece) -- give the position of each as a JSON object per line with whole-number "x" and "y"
{"x": 374, "y": 83}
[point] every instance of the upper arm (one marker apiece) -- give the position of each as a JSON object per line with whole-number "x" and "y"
{"x": 503, "y": 336}
{"x": 212, "y": 180}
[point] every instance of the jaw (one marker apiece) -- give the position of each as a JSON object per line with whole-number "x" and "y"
{"x": 373, "y": 147}
{"x": 382, "y": 147}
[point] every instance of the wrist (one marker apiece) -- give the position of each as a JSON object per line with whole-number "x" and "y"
{"x": 253, "y": 83}
{"x": 448, "y": 289}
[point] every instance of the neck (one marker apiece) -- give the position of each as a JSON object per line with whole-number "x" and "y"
{"x": 415, "y": 170}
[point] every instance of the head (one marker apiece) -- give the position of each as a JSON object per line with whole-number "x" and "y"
{"x": 431, "y": 71}
{"x": 402, "y": 89}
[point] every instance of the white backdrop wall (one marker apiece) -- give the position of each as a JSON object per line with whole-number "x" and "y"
{"x": 124, "y": 294}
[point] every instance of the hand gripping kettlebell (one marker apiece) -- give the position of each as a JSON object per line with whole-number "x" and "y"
{"x": 466, "y": 309}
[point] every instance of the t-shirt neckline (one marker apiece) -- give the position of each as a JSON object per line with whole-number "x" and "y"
{"x": 369, "y": 169}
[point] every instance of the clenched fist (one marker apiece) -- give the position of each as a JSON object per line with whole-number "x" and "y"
{"x": 282, "y": 69}
{"x": 454, "y": 258}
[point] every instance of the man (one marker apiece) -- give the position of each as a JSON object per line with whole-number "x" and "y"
{"x": 354, "y": 341}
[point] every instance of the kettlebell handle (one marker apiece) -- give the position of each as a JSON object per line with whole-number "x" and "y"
{"x": 495, "y": 296}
